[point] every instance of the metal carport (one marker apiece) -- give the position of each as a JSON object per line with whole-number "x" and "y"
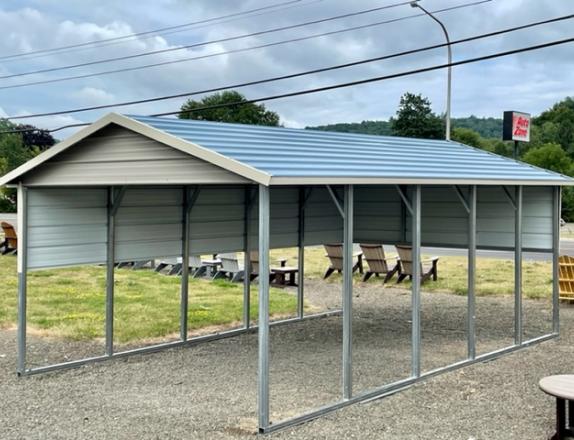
{"x": 101, "y": 195}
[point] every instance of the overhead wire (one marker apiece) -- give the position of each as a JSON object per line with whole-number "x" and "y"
{"x": 300, "y": 74}
{"x": 156, "y": 32}
{"x": 491, "y": 56}
{"x": 171, "y": 62}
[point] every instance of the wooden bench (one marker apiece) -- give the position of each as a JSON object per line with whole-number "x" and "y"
{"x": 561, "y": 387}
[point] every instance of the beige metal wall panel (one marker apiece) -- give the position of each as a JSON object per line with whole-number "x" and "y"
{"x": 148, "y": 223}
{"x": 116, "y": 156}
{"x": 377, "y": 215}
{"x": 66, "y": 227}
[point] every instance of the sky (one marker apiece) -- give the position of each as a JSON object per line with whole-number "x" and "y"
{"x": 529, "y": 82}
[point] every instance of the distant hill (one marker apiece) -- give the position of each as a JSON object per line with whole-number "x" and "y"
{"x": 381, "y": 128}
{"x": 486, "y": 127}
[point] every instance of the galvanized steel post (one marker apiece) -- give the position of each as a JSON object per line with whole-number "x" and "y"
{"x": 184, "y": 302}
{"x": 518, "y": 266}
{"x": 301, "y": 254}
{"x": 22, "y": 275}
{"x": 263, "y": 377}
{"x": 471, "y": 298}
{"x": 110, "y": 261}
{"x": 416, "y": 282}
{"x": 115, "y": 196}
{"x": 247, "y": 258}
{"x": 556, "y": 215}
{"x": 348, "y": 293}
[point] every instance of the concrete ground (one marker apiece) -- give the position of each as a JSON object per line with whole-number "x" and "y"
{"x": 209, "y": 391}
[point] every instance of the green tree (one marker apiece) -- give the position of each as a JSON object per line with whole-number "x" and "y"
{"x": 467, "y": 136}
{"x": 255, "y": 114}
{"x": 551, "y": 157}
{"x": 556, "y": 125}
{"x": 415, "y": 118}
{"x": 13, "y": 153}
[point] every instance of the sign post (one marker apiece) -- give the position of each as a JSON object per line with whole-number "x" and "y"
{"x": 516, "y": 127}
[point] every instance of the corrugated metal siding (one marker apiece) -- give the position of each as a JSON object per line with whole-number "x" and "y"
{"x": 283, "y": 152}
{"x": 377, "y": 215}
{"x": 148, "y": 223}
{"x": 66, "y": 227}
{"x": 116, "y": 156}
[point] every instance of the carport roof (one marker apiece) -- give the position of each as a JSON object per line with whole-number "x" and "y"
{"x": 280, "y": 156}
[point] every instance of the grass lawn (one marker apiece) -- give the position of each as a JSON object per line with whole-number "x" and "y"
{"x": 70, "y": 302}
{"x": 493, "y": 276}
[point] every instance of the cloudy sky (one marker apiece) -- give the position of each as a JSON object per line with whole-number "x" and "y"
{"x": 529, "y": 82}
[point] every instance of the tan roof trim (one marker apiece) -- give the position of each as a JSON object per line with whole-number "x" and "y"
{"x": 179, "y": 144}
{"x": 420, "y": 181}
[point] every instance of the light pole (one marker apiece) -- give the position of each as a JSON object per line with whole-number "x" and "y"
{"x": 415, "y": 4}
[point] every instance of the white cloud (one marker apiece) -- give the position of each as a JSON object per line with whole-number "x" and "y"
{"x": 530, "y": 82}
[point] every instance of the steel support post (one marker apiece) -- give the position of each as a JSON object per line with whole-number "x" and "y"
{"x": 518, "y": 266}
{"x": 110, "y": 260}
{"x": 22, "y": 274}
{"x": 348, "y": 293}
{"x": 301, "y": 255}
{"x": 247, "y": 258}
{"x": 263, "y": 376}
{"x": 115, "y": 196}
{"x": 556, "y": 208}
{"x": 471, "y": 298}
{"x": 184, "y": 302}
{"x": 416, "y": 283}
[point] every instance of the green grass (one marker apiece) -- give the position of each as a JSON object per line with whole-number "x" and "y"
{"x": 493, "y": 276}
{"x": 70, "y": 302}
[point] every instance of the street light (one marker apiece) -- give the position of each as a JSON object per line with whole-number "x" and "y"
{"x": 415, "y": 4}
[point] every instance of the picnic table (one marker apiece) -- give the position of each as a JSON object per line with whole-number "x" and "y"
{"x": 284, "y": 275}
{"x": 561, "y": 387}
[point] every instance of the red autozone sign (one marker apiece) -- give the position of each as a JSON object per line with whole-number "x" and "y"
{"x": 516, "y": 127}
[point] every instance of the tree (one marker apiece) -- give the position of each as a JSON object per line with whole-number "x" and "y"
{"x": 255, "y": 114}
{"x": 556, "y": 125}
{"x": 467, "y": 136}
{"x": 35, "y": 137}
{"x": 415, "y": 118}
{"x": 551, "y": 157}
{"x": 13, "y": 153}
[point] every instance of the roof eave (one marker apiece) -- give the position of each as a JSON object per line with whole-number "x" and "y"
{"x": 281, "y": 181}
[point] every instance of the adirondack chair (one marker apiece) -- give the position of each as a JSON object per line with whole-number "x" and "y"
{"x": 10, "y": 243}
{"x": 377, "y": 262}
{"x": 174, "y": 265}
{"x": 230, "y": 268}
{"x": 335, "y": 255}
{"x": 429, "y": 267}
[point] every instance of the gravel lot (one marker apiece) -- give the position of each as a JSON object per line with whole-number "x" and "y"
{"x": 209, "y": 391}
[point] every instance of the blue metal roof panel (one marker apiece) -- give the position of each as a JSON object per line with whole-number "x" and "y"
{"x": 287, "y": 152}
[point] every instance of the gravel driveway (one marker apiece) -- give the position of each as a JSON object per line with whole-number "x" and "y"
{"x": 209, "y": 391}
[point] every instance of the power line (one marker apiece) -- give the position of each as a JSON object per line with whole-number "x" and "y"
{"x": 164, "y": 63}
{"x": 304, "y": 73}
{"x": 346, "y": 84}
{"x": 205, "y": 43}
{"x": 146, "y": 37}
{"x": 153, "y": 31}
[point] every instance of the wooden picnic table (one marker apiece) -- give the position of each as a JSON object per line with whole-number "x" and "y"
{"x": 284, "y": 275}
{"x": 561, "y": 387}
